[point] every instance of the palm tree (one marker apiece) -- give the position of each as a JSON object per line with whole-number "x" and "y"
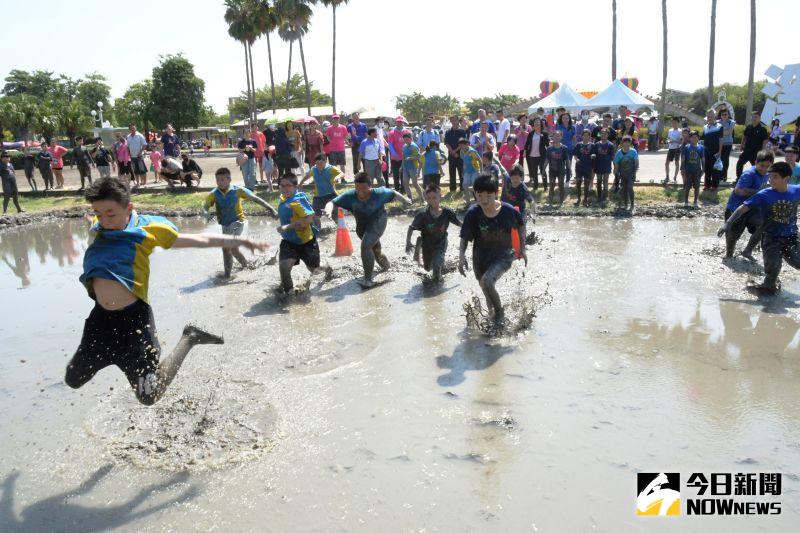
{"x": 613, "y": 40}
{"x": 267, "y": 22}
{"x": 710, "y": 92}
{"x": 662, "y": 100}
{"x": 294, "y": 17}
{"x": 333, "y": 4}
{"x": 752, "y": 58}
{"x": 240, "y": 14}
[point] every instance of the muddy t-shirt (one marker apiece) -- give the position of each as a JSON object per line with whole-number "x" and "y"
{"x": 490, "y": 236}
{"x": 692, "y": 158}
{"x": 81, "y": 157}
{"x": 603, "y": 154}
{"x": 583, "y": 155}
{"x": 780, "y": 210}
{"x": 365, "y": 210}
{"x": 557, "y": 159}
{"x": 434, "y": 228}
{"x": 516, "y": 196}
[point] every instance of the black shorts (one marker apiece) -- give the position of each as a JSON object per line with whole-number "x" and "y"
{"x": 125, "y": 338}
{"x": 673, "y": 154}
{"x": 84, "y": 171}
{"x": 336, "y": 158}
{"x": 319, "y": 202}
{"x": 123, "y": 168}
{"x": 137, "y": 165}
{"x": 692, "y": 178}
{"x": 308, "y": 252}
{"x": 433, "y": 256}
{"x": 497, "y": 263}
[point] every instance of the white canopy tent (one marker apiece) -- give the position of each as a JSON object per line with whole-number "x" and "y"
{"x": 565, "y": 96}
{"x": 618, "y": 94}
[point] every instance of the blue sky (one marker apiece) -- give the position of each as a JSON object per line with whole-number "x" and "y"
{"x": 388, "y": 47}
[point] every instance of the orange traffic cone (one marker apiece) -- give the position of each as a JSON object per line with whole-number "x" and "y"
{"x": 344, "y": 246}
{"x": 515, "y": 242}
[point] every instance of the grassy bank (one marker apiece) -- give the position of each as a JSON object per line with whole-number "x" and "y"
{"x": 189, "y": 202}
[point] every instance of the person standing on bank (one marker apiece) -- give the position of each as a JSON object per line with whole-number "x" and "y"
{"x": 371, "y": 152}
{"x": 136, "y": 145}
{"x": 754, "y": 140}
{"x": 357, "y": 131}
{"x": 727, "y": 124}
{"x": 712, "y": 135}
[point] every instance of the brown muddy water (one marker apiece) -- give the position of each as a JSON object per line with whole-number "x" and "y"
{"x": 352, "y": 410}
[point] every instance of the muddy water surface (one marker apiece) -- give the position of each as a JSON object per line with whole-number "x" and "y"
{"x": 345, "y": 409}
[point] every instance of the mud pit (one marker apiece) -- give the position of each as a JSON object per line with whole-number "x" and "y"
{"x": 345, "y": 409}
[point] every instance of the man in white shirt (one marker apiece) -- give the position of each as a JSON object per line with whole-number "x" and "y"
{"x": 136, "y": 146}
{"x": 503, "y": 129}
{"x": 371, "y": 153}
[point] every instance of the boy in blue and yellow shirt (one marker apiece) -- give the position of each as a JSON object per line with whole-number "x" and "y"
{"x": 324, "y": 176}
{"x": 120, "y": 329}
{"x": 472, "y": 167}
{"x": 299, "y": 235}
{"x": 227, "y": 199}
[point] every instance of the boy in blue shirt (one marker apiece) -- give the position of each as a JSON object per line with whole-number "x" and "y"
{"x": 603, "y": 153}
{"x": 692, "y": 158}
{"x": 227, "y": 199}
{"x": 432, "y": 223}
{"x": 779, "y": 240}
{"x": 488, "y": 225}
{"x": 367, "y": 205}
{"x": 516, "y": 194}
{"x": 626, "y": 164}
{"x": 121, "y": 330}
{"x": 411, "y": 164}
{"x": 749, "y": 183}
{"x": 584, "y": 154}
{"x": 472, "y": 167}
{"x": 324, "y": 176}
{"x": 432, "y": 165}
{"x": 299, "y": 236}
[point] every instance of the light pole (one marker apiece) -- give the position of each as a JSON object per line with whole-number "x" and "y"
{"x": 94, "y": 116}
{"x": 100, "y": 109}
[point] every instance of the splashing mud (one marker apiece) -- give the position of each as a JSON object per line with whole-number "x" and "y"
{"x": 519, "y": 314}
{"x": 201, "y": 429}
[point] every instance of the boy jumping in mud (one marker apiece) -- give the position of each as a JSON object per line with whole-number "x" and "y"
{"x": 367, "y": 205}
{"x": 227, "y": 199}
{"x": 432, "y": 223}
{"x": 779, "y": 241}
{"x": 488, "y": 224}
{"x": 121, "y": 330}
{"x": 299, "y": 241}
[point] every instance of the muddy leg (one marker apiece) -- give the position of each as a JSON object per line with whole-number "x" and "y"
{"x": 285, "y": 268}
{"x": 239, "y": 256}
{"x": 227, "y": 262}
{"x": 561, "y": 189}
{"x": 149, "y": 393}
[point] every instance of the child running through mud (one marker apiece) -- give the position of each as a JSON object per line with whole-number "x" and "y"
{"x": 749, "y": 183}
{"x": 120, "y": 329}
{"x": 227, "y": 199}
{"x": 779, "y": 241}
{"x": 299, "y": 241}
{"x": 367, "y": 205}
{"x": 324, "y": 177}
{"x": 432, "y": 223}
{"x": 488, "y": 225}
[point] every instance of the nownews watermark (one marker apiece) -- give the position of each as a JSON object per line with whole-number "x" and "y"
{"x": 714, "y": 494}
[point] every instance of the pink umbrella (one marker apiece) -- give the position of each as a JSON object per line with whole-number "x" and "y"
{"x": 307, "y": 120}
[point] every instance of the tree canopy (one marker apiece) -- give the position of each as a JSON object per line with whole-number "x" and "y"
{"x": 736, "y": 95}
{"x": 297, "y": 97}
{"x": 416, "y": 106}
{"x": 491, "y": 103}
{"x": 177, "y": 94}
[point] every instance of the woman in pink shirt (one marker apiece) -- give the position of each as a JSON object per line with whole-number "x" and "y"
{"x": 522, "y": 132}
{"x": 57, "y": 151}
{"x": 509, "y": 153}
{"x": 155, "y": 160}
{"x": 123, "y": 156}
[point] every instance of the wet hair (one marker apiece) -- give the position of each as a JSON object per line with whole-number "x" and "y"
{"x": 432, "y": 187}
{"x": 781, "y": 168}
{"x": 485, "y": 182}
{"x": 108, "y": 189}
{"x": 765, "y": 155}
{"x": 321, "y": 157}
{"x": 362, "y": 177}
{"x": 223, "y": 171}
{"x": 372, "y": 130}
{"x": 516, "y": 170}
{"x": 291, "y": 178}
